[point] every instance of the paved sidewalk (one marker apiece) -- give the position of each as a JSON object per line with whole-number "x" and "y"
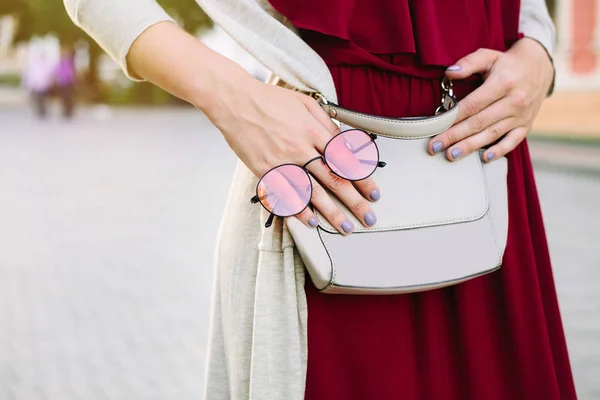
{"x": 561, "y": 155}
{"x": 12, "y": 97}
{"x": 106, "y": 245}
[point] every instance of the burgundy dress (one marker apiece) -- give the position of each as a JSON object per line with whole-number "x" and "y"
{"x": 499, "y": 336}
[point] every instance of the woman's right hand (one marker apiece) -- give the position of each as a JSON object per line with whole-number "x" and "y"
{"x": 267, "y": 125}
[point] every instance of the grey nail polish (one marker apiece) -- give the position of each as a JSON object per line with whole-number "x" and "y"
{"x": 370, "y": 218}
{"x": 456, "y": 153}
{"x": 454, "y": 68}
{"x": 490, "y": 156}
{"x": 347, "y": 226}
{"x": 437, "y": 147}
{"x": 375, "y": 195}
{"x": 313, "y": 222}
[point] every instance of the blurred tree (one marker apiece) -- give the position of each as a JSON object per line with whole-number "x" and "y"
{"x": 552, "y": 8}
{"x": 41, "y": 17}
{"x": 187, "y": 13}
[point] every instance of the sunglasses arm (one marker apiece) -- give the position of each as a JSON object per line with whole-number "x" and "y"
{"x": 255, "y": 200}
{"x": 269, "y": 220}
{"x": 380, "y": 164}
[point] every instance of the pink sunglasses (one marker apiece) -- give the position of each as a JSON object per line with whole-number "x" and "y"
{"x": 286, "y": 190}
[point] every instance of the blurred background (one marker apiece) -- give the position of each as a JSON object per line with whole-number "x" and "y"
{"x": 111, "y": 194}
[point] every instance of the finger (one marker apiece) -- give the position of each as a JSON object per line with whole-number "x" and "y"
{"x": 508, "y": 143}
{"x": 356, "y": 163}
{"x": 478, "y": 62}
{"x": 319, "y": 114}
{"x": 330, "y": 211}
{"x": 479, "y": 122}
{"x": 368, "y": 189}
{"x": 285, "y": 190}
{"x": 308, "y": 217}
{"x": 321, "y": 136}
{"x": 489, "y": 92}
{"x": 481, "y": 139}
{"x": 345, "y": 160}
{"x": 346, "y": 192}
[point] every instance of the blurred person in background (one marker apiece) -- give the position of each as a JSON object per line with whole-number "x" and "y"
{"x": 273, "y": 335}
{"x": 64, "y": 81}
{"x": 38, "y": 79}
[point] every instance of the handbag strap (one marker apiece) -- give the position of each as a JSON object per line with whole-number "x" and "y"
{"x": 401, "y": 128}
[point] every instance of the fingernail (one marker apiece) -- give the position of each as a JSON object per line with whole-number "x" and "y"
{"x": 456, "y": 153}
{"x": 347, "y": 226}
{"x": 370, "y": 218}
{"x": 313, "y": 222}
{"x": 437, "y": 147}
{"x": 375, "y": 195}
{"x": 490, "y": 156}
{"x": 454, "y": 68}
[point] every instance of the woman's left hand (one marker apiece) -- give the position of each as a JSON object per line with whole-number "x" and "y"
{"x": 503, "y": 108}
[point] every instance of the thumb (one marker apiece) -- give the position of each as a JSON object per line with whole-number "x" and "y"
{"x": 478, "y": 62}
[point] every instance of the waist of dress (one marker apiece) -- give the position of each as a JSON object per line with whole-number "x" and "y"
{"x": 340, "y": 52}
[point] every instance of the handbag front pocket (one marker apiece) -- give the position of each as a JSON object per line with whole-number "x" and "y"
{"x": 439, "y": 223}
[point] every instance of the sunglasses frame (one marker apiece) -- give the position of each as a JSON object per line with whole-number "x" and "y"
{"x": 256, "y": 199}
{"x": 380, "y": 164}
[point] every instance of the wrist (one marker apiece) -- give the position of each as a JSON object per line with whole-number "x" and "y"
{"x": 218, "y": 86}
{"x": 543, "y": 57}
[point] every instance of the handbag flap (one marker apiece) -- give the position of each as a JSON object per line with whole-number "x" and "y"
{"x": 419, "y": 190}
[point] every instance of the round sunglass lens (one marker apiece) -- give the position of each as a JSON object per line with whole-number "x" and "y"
{"x": 285, "y": 190}
{"x": 352, "y": 154}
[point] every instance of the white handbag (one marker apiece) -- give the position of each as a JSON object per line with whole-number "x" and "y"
{"x": 439, "y": 223}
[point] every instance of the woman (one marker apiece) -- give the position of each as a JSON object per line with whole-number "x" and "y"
{"x": 37, "y": 79}
{"x": 64, "y": 79}
{"x": 273, "y": 336}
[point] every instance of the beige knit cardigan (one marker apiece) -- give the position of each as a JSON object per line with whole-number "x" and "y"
{"x": 258, "y": 340}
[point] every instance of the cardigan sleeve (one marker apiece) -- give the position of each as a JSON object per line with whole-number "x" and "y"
{"x": 535, "y": 22}
{"x": 115, "y": 24}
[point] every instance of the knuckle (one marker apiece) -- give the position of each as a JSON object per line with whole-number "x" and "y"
{"x": 471, "y": 106}
{"x": 483, "y": 52}
{"x": 469, "y": 147}
{"x": 291, "y": 144}
{"x": 335, "y": 215}
{"x": 317, "y": 192}
{"x": 311, "y": 101}
{"x": 336, "y": 184}
{"x": 334, "y": 129}
{"x": 520, "y": 99}
{"x": 360, "y": 208}
{"x": 449, "y": 137}
{"x": 494, "y": 53}
{"x": 260, "y": 168}
{"x": 494, "y": 133}
{"x": 315, "y": 132}
{"x": 478, "y": 122}
{"x": 365, "y": 186}
{"x": 507, "y": 83}
{"x": 304, "y": 155}
{"x": 262, "y": 165}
